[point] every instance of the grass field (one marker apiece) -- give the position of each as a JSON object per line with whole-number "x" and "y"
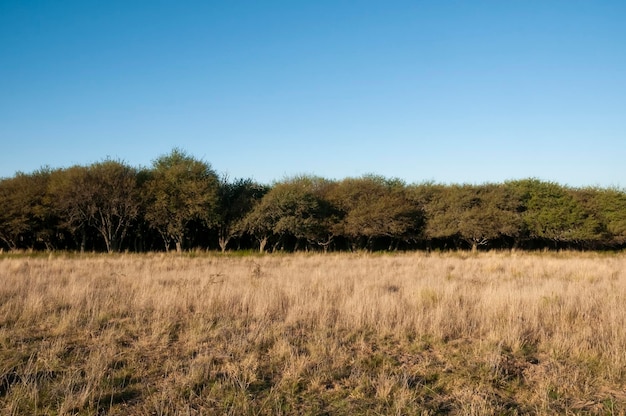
{"x": 404, "y": 334}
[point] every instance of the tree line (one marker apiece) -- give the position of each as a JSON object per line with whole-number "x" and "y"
{"x": 180, "y": 203}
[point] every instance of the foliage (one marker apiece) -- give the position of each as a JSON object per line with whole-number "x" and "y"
{"x": 179, "y": 190}
{"x": 477, "y": 215}
{"x": 25, "y": 217}
{"x": 73, "y": 200}
{"x": 114, "y": 203}
{"x": 103, "y": 196}
{"x": 607, "y": 207}
{"x": 181, "y": 200}
{"x": 292, "y": 208}
{"x": 236, "y": 200}
{"x": 373, "y": 207}
{"x": 551, "y": 212}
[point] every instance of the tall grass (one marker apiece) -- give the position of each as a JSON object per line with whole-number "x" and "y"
{"x": 458, "y": 333}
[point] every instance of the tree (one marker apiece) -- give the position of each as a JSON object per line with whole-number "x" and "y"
{"x": 13, "y": 221}
{"x": 260, "y": 221}
{"x": 473, "y": 214}
{"x": 180, "y": 189}
{"x": 25, "y": 216}
{"x": 608, "y": 208}
{"x": 103, "y": 196}
{"x": 292, "y": 208}
{"x": 613, "y": 206}
{"x": 303, "y": 211}
{"x": 550, "y": 212}
{"x": 328, "y": 216}
{"x": 437, "y": 201}
{"x": 373, "y": 207}
{"x": 236, "y": 200}
{"x": 114, "y": 200}
{"x": 72, "y": 198}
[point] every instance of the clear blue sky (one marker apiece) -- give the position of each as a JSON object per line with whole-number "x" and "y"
{"x": 450, "y": 91}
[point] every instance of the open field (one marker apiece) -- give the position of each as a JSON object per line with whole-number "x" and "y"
{"x": 415, "y": 333}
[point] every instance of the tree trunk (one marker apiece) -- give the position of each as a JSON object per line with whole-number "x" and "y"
{"x": 262, "y": 243}
{"x": 325, "y": 244}
{"x": 223, "y": 242}
{"x": 11, "y": 243}
{"x": 83, "y": 240}
{"x": 107, "y": 242}
{"x": 166, "y": 240}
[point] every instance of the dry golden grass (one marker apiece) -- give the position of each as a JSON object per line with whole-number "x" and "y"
{"x": 458, "y": 333}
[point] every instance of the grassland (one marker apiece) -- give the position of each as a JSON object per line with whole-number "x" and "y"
{"x": 456, "y": 333}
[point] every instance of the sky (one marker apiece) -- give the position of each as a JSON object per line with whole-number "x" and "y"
{"x": 442, "y": 91}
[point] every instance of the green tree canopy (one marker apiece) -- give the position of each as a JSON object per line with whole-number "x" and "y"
{"x": 104, "y": 196}
{"x": 612, "y": 205}
{"x": 294, "y": 208}
{"x": 607, "y": 208}
{"x": 551, "y": 212}
{"x": 236, "y": 200}
{"x": 373, "y": 207}
{"x": 25, "y": 215}
{"x": 474, "y": 214}
{"x": 180, "y": 200}
{"x": 180, "y": 189}
{"x": 72, "y": 199}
